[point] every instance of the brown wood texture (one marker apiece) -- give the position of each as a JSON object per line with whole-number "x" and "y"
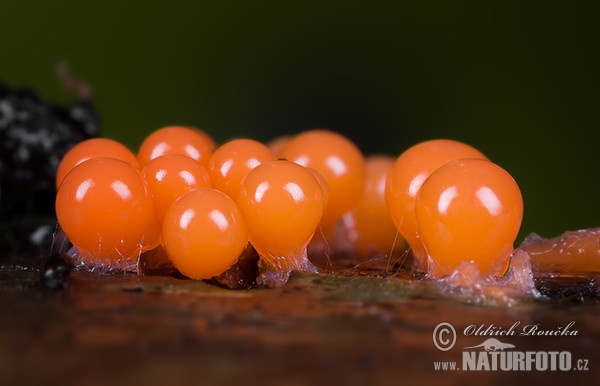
{"x": 350, "y": 329}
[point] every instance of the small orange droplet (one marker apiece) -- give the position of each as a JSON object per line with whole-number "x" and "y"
{"x": 406, "y": 177}
{"x": 283, "y": 204}
{"x": 188, "y": 141}
{"x": 369, "y": 226}
{"x": 204, "y": 233}
{"x": 106, "y": 211}
{"x": 469, "y": 209}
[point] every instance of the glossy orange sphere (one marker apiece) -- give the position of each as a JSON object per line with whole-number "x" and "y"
{"x": 233, "y": 160}
{"x": 469, "y": 210}
{"x": 171, "y": 175}
{"x": 282, "y": 203}
{"x": 338, "y": 160}
{"x": 106, "y": 211}
{"x": 369, "y": 226}
{"x": 93, "y": 148}
{"x": 407, "y": 175}
{"x": 188, "y": 141}
{"x": 204, "y": 233}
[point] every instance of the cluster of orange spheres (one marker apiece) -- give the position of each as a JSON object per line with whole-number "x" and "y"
{"x": 204, "y": 203}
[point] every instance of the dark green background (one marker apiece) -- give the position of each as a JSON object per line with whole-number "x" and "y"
{"x": 518, "y": 81}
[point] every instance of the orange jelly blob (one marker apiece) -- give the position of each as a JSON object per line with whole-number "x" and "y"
{"x": 106, "y": 211}
{"x": 369, "y": 226}
{"x": 283, "y": 204}
{"x": 188, "y": 141}
{"x": 171, "y": 175}
{"x": 407, "y": 175}
{"x": 233, "y": 160}
{"x": 338, "y": 160}
{"x": 571, "y": 253}
{"x": 93, "y": 148}
{"x": 469, "y": 210}
{"x": 204, "y": 233}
